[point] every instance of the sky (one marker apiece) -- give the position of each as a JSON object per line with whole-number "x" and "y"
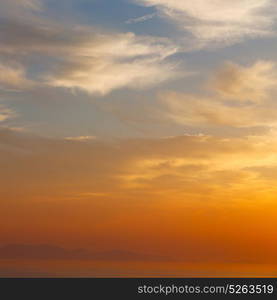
{"x": 139, "y": 130}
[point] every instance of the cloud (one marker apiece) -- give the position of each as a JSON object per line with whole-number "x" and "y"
{"x": 31, "y": 4}
{"x": 19, "y": 7}
{"x": 79, "y": 57}
{"x": 240, "y": 96}
{"x": 116, "y": 61}
{"x": 99, "y": 192}
{"x": 141, "y": 19}
{"x": 138, "y": 74}
{"x": 13, "y": 77}
{"x": 219, "y": 21}
{"x": 240, "y": 83}
{"x": 6, "y": 113}
{"x": 23, "y": 11}
{"x": 197, "y": 111}
{"x": 81, "y": 138}
{"x": 92, "y": 167}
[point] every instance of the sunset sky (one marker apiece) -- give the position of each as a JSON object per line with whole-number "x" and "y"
{"x": 140, "y": 130}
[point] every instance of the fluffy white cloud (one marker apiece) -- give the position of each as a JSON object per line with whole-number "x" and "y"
{"x": 79, "y": 57}
{"x": 110, "y": 62}
{"x": 220, "y": 21}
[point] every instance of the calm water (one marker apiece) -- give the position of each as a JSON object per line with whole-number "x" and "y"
{"x": 53, "y": 268}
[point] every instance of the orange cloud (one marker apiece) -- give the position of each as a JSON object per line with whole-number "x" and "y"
{"x": 239, "y": 83}
{"x": 194, "y": 198}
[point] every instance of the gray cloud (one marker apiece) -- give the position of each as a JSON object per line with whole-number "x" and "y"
{"x": 141, "y": 19}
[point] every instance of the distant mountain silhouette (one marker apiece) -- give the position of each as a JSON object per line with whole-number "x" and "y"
{"x": 20, "y": 251}
{"x": 40, "y": 252}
